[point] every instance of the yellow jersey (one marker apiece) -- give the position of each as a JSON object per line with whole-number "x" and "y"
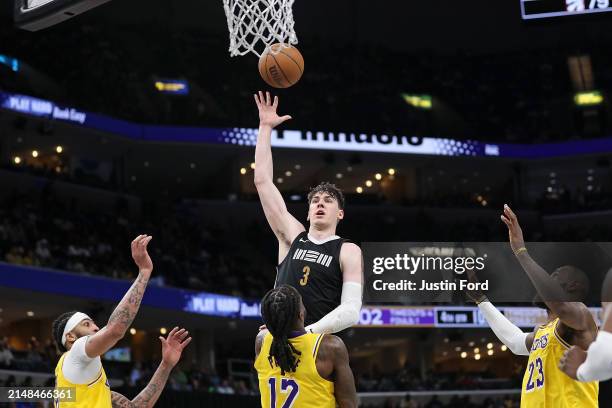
{"x": 544, "y": 385}
{"x": 96, "y": 394}
{"x": 304, "y": 388}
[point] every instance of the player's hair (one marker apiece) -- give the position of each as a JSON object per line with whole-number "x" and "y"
{"x": 280, "y": 309}
{"x": 57, "y": 329}
{"x": 330, "y": 189}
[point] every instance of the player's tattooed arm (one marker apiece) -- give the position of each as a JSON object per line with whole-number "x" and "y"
{"x": 344, "y": 381}
{"x": 573, "y": 314}
{"x": 283, "y": 224}
{"x": 122, "y": 317}
{"x": 259, "y": 341}
{"x": 172, "y": 349}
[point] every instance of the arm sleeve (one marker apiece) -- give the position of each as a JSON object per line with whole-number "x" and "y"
{"x": 79, "y": 368}
{"x": 345, "y": 315}
{"x": 513, "y": 337}
{"x": 598, "y": 365}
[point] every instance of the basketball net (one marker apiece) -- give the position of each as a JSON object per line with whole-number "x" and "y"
{"x": 254, "y": 25}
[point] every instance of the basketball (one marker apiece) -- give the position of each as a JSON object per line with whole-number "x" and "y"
{"x": 281, "y": 65}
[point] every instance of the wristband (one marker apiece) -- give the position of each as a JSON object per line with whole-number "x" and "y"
{"x": 518, "y": 251}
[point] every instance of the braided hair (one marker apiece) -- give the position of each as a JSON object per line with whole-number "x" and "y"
{"x": 280, "y": 309}
{"x": 57, "y": 329}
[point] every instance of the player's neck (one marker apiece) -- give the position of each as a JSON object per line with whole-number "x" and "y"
{"x": 321, "y": 234}
{"x": 551, "y": 315}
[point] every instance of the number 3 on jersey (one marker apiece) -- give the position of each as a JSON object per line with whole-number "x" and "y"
{"x": 539, "y": 380}
{"x": 304, "y": 279}
{"x": 287, "y": 386}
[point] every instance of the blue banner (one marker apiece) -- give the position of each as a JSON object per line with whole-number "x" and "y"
{"x": 299, "y": 139}
{"x": 112, "y": 290}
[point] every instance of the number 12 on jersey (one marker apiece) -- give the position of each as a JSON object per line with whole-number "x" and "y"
{"x": 287, "y": 385}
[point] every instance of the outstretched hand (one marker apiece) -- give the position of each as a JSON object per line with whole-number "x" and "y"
{"x": 173, "y": 345}
{"x": 515, "y": 233}
{"x": 140, "y": 255}
{"x": 267, "y": 110}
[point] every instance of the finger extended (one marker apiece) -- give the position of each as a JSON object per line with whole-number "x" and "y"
{"x": 182, "y": 336}
{"x": 506, "y": 221}
{"x": 275, "y": 104}
{"x": 268, "y": 99}
{"x": 256, "y": 99}
{"x": 173, "y": 332}
{"x": 185, "y": 343}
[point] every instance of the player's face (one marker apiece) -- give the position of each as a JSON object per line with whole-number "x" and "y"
{"x": 324, "y": 210}
{"x": 86, "y": 328}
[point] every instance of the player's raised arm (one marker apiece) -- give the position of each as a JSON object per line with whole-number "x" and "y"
{"x": 284, "y": 225}
{"x": 172, "y": 348}
{"x": 125, "y": 312}
{"x": 573, "y": 314}
{"x": 344, "y": 382}
{"x": 507, "y": 332}
{"x": 347, "y": 313}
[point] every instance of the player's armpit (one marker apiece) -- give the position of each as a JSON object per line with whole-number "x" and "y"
{"x": 344, "y": 382}
{"x": 529, "y": 340}
{"x": 574, "y": 315}
{"x": 120, "y": 401}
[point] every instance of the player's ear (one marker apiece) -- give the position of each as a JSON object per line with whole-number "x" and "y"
{"x": 341, "y": 214}
{"x": 71, "y": 337}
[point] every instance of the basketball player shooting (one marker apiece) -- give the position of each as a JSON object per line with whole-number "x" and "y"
{"x": 596, "y": 363}
{"x": 295, "y": 368}
{"x": 83, "y": 343}
{"x": 326, "y": 270}
{"x": 569, "y": 324}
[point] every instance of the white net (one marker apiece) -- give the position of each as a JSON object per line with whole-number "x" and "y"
{"x": 254, "y": 25}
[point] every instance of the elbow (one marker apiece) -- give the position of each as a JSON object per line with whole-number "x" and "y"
{"x": 355, "y": 316}
{"x": 260, "y": 180}
{"x": 116, "y": 332}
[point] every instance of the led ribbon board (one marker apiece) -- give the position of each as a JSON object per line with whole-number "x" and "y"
{"x": 34, "y": 15}
{"x": 534, "y": 9}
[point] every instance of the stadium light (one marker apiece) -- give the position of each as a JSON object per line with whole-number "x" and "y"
{"x": 17, "y": 160}
{"x": 359, "y": 190}
{"x": 588, "y": 98}
{"x": 489, "y": 346}
{"x": 477, "y": 357}
{"x": 35, "y": 153}
{"x": 490, "y": 352}
{"x": 464, "y": 355}
{"x": 504, "y": 347}
{"x": 59, "y": 149}
{"x": 378, "y": 176}
{"x": 163, "y": 330}
{"x": 243, "y": 171}
{"x": 368, "y": 183}
{"x": 132, "y": 331}
{"x": 391, "y": 171}
{"x": 418, "y": 101}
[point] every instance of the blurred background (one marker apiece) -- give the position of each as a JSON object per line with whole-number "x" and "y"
{"x": 132, "y": 118}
